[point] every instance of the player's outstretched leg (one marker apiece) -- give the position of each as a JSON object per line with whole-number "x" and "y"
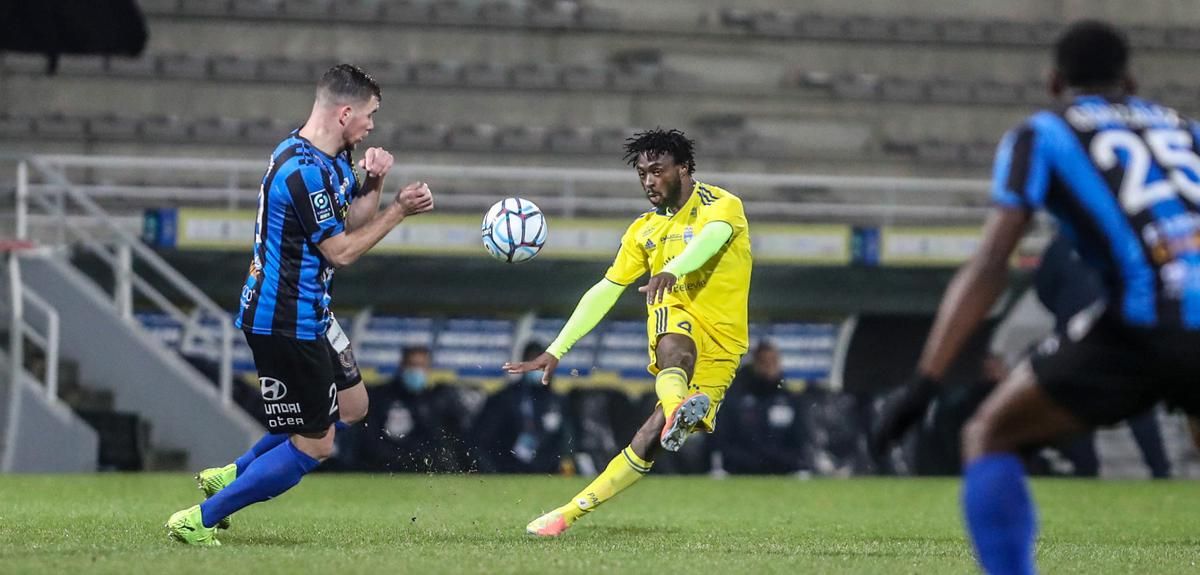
{"x": 353, "y": 402}
{"x": 1000, "y": 514}
{"x": 624, "y": 470}
{"x": 268, "y": 476}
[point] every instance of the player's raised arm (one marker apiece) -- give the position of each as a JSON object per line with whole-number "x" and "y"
{"x": 345, "y": 248}
{"x": 376, "y": 163}
{"x": 629, "y": 265}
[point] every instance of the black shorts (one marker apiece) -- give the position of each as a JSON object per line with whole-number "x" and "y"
{"x": 1113, "y": 371}
{"x": 299, "y": 380}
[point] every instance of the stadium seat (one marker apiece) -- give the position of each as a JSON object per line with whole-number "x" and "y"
{"x": 570, "y": 140}
{"x": 736, "y": 18}
{"x": 143, "y": 67}
{"x": 438, "y": 73}
{"x": 964, "y": 31}
{"x": 234, "y": 68}
{"x": 584, "y": 78}
{"x": 15, "y": 127}
{"x": 159, "y": 7}
{"x": 554, "y": 15}
{"x": 503, "y": 13}
{"x": 205, "y": 7}
{"x": 1045, "y": 33}
{"x": 980, "y": 153}
{"x": 1184, "y": 39}
{"x": 474, "y": 347}
{"x": 484, "y": 75}
{"x": 858, "y": 86}
{"x": 357, "y": 10}
{"x": 595, "y": 18}
{"x": 772, "y": 24}
{"x": 521, "y": 139}
{"x": 81, "y": 65}
{"x": 471, "y": 137}
{"x": 287, "y": 70}
{"x": 165, "y": 129}
{"x": 902, "y": 90}
{"x": 113, "y": 127}
{"x": 998, "y": 93}
{"x": 582, "y": 357}
{"x": 216, "y": 130}
{"x": 60, "y": 126}
{"x": 820, "y": 27}
{"x": 936, "y": 151}
{"x": 950, "y": 90}
{"x": 266, "y": 130}
{"x": 421, "y": 137}
{"x": 610, "y": 141}
{"x": 308, "y": 9}
{"x": 1010, "y": 32}
{"x": 19, "y": 63}
{"x": 184, "y": 66}
{"x": 389, "y": 73}
{"x": 915, "y": 30}
{"x": 406, "y": 11}
{"x": 1151, "y": 37}
{"x": 868, "y": 28}
{"x": 534, "y": 76}
{"x": 637, "y": 79}
{"x": 258, "y": 8}
{"x": 453, "y": 12}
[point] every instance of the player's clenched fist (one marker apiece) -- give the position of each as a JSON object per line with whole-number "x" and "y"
{"x": 415, "y": 198}
{"x": 376, "y": 162}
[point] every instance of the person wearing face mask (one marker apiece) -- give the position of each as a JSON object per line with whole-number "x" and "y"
{"x": 522, "y": 428}
{"x": 402, "y": 434}
{"x": 760, "y": 432}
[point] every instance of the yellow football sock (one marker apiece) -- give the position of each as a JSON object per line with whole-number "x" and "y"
{"x": 671, "y": 387}
{"x": 622, "y": 471}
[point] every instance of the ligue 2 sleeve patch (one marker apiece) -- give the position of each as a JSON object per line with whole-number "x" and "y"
{"x": 322, "y": 205}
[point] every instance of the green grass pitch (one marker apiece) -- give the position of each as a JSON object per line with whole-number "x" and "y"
{"x": 474, "y": 524}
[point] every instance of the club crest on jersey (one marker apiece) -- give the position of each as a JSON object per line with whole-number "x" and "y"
{"x": 688, "y": 234}
{"x": 322, "y": 205}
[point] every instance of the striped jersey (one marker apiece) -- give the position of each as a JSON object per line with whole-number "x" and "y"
{"x": 1122, "y": 177}
{"x": 304, "y": 199}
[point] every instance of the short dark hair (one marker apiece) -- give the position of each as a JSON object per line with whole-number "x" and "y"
{"x": 408, "y": 351}
{"x": 348, "y": 83}
{"x": 654, "y": 143}
{"x": 1091, "y": 53}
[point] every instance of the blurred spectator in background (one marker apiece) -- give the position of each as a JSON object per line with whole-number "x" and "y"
{"x": 601, "y": 419}
{"x": 403, "y": 431}
{"x": 760, "y": 431}
{"x": 522, "y": 428}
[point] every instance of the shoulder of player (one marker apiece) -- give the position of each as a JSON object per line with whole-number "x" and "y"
{"x": 713, "y": 196}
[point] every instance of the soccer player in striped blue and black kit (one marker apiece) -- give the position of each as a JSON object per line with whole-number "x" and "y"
{"x": 1122, "y": 177}
{"x": 313, "y": 216}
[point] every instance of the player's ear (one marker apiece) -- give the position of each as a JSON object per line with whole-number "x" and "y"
{"x": 344, "y": 114}
{"x": 1129, "y": 84}
{"x": 1055, "y": 84}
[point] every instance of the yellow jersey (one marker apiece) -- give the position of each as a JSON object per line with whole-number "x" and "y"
{"x": 716, "y": 294}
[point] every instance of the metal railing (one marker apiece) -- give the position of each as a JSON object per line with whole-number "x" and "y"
{"x": 120, "y": 251}
{"x": 562, "y": 191}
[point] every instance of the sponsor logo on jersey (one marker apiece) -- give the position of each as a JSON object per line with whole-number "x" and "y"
{"x": 272, "y": 389}
{"x": 688, "y": 234}
{"x": 685, "y": 326}
{"x": 650, "y": 244}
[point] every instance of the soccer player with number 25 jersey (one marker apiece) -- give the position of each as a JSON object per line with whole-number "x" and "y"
{"x": 313, "y": 217}
{"x": 1122, "y": 177}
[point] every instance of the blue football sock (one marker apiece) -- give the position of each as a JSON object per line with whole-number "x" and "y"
{"x": 269, "y": 475}
{"x": 267, "y": 443}
{"x": 1000, "y": 514}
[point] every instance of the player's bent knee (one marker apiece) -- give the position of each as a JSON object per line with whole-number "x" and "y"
{"x": 979, "y": 437}
{"x": 318, "y": 446}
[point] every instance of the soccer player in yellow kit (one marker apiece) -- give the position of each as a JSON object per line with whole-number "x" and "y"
{"x": 696, "y": 245}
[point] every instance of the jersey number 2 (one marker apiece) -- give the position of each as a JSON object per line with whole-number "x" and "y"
{"x": 1169, "y": 148}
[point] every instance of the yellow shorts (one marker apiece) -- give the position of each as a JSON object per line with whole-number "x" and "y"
{"x": 715, "y": 367}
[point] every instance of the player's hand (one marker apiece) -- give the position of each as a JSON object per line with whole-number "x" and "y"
{"x": 545, "y": 362}
{"x": 658, "y": 287}
{"x": 376, "y": 162}
{"x": 901, "y": 409}
{"x": 415, "y": 198}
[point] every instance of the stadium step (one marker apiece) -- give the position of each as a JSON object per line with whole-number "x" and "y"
{"x": 164, "y": 459}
